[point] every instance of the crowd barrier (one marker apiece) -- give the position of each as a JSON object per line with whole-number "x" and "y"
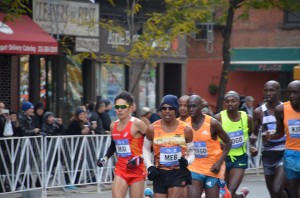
{"x": 43, "y": 162}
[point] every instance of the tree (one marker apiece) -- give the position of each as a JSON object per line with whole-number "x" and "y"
{"x": 14, "y": 8}
{"x": 246, "y": 5}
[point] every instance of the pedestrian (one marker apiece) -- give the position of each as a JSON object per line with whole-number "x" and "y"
{"x": 128, "y": 134}
{"x": 272, "y": 151}
{"x": 183, "y": 110}
{"x": 288, "y": 123}
{"x": 209, "y": 165}
{"x": 206, "y": 109}
{"x": 238, "y": 125}
{"x": 248, "y": 105}
{"x": 173, "y": 150}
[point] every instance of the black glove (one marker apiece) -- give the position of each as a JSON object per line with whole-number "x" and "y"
{"x": 101, "y": 162}
{"x": 152, "y": 173}
{"x": 183, "y": 163}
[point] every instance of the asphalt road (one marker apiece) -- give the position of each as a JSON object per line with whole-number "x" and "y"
{"x": 255, "y": 183}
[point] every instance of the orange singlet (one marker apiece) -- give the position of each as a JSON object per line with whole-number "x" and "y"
{"x": 292, "y": 127}
{"x": 207, "y": 151}
{"x": 168, "y": 147}
{"x": 128, "y": 147}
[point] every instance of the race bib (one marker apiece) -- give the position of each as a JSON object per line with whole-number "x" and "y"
{"x": 294, "y": 128}
{"x": 271, "y": 127}
{"x": 169, "y": 156}
{"x": 200, "y": 149}
{"x": 237, "y": 139}
{"x": 123, "y": 148}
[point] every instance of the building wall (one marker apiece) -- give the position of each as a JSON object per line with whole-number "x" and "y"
{"x": 264, "y": 28}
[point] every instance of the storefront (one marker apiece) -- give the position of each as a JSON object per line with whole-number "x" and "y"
{"x": 24, "y": 49}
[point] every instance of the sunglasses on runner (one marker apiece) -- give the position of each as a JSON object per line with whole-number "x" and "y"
{"x": 121, "y": 106}
{"x": 169, "y": 108}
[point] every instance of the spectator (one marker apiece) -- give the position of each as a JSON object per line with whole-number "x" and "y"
{"x": 2, "y": 118}
{"x": 248, "y": 105}
{"x": 96, "y": 117}
{"x": 79, "y": 124}
{"x": 146, "y": 114}
{"x": 26, "y": 119}
{"x": 155, "y": 116}
{"x": 105, "y": 115}
{"x": 15, "y": 124}
{"x": 51, "y": 125}
{"x": 39, "y": 110}
{"x": 90, "y": 107}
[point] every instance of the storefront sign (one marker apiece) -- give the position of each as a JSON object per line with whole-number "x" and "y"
{"x": 115, "y": 39}
{"x": 28, "y": 49}
{"x": 87, "y": 45}
{"x": 67, "y": 17}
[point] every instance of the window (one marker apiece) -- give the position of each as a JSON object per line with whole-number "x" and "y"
{"x": 292, "y": 20}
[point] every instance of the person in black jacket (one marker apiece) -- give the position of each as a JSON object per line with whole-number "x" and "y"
{"x": 39, "y": 111}
{"x": 26, "y": 120}
{"x": 51, "y": 125}
{"x": 105, "y": 116}
{"x": 95, "y": 117}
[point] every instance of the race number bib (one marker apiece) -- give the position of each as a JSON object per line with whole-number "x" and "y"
{"x": 271, "y": 127}
{"x": 169, "y": 156}
{"x": 237, "y": 139}
{"x": 294, "y": 128}
{"x": 123, "y": 148}
{"x": 200, "y": 149}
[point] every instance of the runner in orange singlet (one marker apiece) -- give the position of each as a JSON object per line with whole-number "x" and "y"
{"x": 288, "y": 122}
{"x": 173, "y": 151}
{"x": 209, "y": 157}
{"x": 127, "y": 140}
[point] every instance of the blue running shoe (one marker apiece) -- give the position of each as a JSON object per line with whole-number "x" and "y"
{"x": 148, "y": 192}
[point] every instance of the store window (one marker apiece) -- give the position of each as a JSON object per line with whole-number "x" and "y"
{"x": 292, "y": 19}
{"x": 112, "y": 82}
{"x": 73, "y": 88}
{"x": 147, "y": 88}
{"x": 45, "y": 79}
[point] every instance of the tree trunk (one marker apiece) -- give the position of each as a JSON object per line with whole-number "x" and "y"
{"x": 226, "y": 52}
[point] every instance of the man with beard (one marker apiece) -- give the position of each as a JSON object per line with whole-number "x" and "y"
{"x": 272, "y": 150}
{"x": 288, "y": 122}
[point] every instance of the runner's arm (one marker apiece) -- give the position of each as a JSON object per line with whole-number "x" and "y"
{"x": 148, "y": 141}
{"x": 188, "y": 132}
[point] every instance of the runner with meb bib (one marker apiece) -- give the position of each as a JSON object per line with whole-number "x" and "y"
{"x": 238, "y": 125}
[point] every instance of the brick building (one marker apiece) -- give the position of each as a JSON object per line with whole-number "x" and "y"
{"x": 266, "y": 46}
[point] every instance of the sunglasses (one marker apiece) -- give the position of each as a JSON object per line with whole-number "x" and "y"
{"x": 121, "y": 106}
{"x": 169, "y": 108}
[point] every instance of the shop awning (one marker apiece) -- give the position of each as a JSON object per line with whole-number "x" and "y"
{"x": 264, "y": 59}
{"x": 24, "y": 36}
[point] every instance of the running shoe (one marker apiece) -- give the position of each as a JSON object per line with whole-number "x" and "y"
{"x": 244, "y": 191}
{"x": 148, "y": 192}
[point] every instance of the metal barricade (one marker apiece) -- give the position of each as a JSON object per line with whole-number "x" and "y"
{"x": 39, "y": 162}
{"x": 43, "y": 162}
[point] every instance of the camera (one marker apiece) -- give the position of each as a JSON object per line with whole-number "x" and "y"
{"x": 5, "y": 111}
